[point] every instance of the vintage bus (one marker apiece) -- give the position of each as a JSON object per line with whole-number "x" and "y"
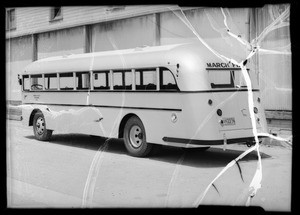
{"x": 178, "y": 95}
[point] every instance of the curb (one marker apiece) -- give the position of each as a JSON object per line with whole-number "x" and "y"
{"x": 281, "y": 133}
{"x": 273, "y": 142}
{"x": 14, "y": 113}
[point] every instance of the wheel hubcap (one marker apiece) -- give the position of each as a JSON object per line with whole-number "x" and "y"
{"x": 136, "y": 136}
{"x": 40, "y": 125}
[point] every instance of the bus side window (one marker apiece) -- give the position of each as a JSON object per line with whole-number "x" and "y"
{"x": 66, "y": 81}
{"x": 82, "y": 80}
{"x": 138, "y": 80}
{"x": 101, "y": 80}
{"x": 51, "y": 81}
{"x": 37, "y": 82}
{"x": 145, "y": 79}
{"x": 122, "y": 80}
{"x": 221, "y": 78}
{"x": 167, "y": 80}
{"x": 26, "y": 83}
{"x": 118, "y": 80}
{"x": 128, "y": 80}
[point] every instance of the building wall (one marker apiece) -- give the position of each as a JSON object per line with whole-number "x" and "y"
{"x": 30, "y": 20}
{"x": 208, "y": 23}
{"x": 19, "y": 54}
{"x": 275, "y": 63}
{"x": 61, "y": 42}
{"x": 123, "y": 34}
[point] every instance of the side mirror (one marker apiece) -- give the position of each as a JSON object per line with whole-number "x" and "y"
{"x": 20, "y": 80}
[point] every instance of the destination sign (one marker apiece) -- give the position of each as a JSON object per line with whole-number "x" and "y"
{"x": 222, "y": 65}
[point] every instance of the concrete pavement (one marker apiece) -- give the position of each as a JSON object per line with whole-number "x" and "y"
{"x": 71, "y": 171}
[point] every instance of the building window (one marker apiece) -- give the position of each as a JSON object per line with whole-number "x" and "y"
{"x": 10, "y": 19}
{"x": 55, "y": 13}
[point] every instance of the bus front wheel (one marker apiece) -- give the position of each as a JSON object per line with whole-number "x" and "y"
{"x": 39, "y": 127}
{"x": 135, "y": 138}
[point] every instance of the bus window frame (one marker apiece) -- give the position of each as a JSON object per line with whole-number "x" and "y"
{"x": 141, "y": 71}
{"x": 107, "y": 80}
{"x": 64, "y": 75}
{"x": 230, "y": 85}
{"x": 123, "y": 87}
{"x": 77, "y": 74}
{"x": 162, "y": 88}
{"x": 51, "y": 75}
{"x": 23, "y": 82}
{"x": 32, "y": 84}
{"x": 109, "y": 76}
{"x": 231, "y": 71}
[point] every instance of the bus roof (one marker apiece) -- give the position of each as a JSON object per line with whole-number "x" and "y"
{"x": 139, "y": 57}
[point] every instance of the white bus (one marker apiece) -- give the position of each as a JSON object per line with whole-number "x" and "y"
{"x": 178, "y": 95}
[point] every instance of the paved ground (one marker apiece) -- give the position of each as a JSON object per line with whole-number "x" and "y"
{"x": 81, "y": 171}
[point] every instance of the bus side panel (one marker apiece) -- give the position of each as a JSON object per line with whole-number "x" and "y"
{"x": 199, "y": 121}
{"x": 196, "y": 120}
{"x": 110, "y": 123}
{"x": 66, "y": 119}
{"x": 150, "y": 107}
{"x": 204, "y": 123}
{"x": 156, "y": 123}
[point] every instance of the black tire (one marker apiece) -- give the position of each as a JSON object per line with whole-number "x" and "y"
{"x": 39, "y": 127}
{"x": 135, "y": 138}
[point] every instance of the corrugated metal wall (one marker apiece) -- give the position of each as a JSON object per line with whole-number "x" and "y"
{"x": 123, "y": 34}
{"x": 31, "y": 20}
{"x": 275, "y": 67}
{"x": 209, "y": 24}
{"x": 56, "y": 43}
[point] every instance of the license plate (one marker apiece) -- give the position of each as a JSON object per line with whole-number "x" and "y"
{"x": 228, "y": 121}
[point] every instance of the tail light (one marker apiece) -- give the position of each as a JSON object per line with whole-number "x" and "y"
{"x": 255, "y": 110}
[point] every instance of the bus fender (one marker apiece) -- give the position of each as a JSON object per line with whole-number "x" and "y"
{"x": 28, "y": 112}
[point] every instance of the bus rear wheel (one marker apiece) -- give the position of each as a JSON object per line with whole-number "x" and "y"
{"x": 135, "y": 138}
{"x": 39, "y": 127}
